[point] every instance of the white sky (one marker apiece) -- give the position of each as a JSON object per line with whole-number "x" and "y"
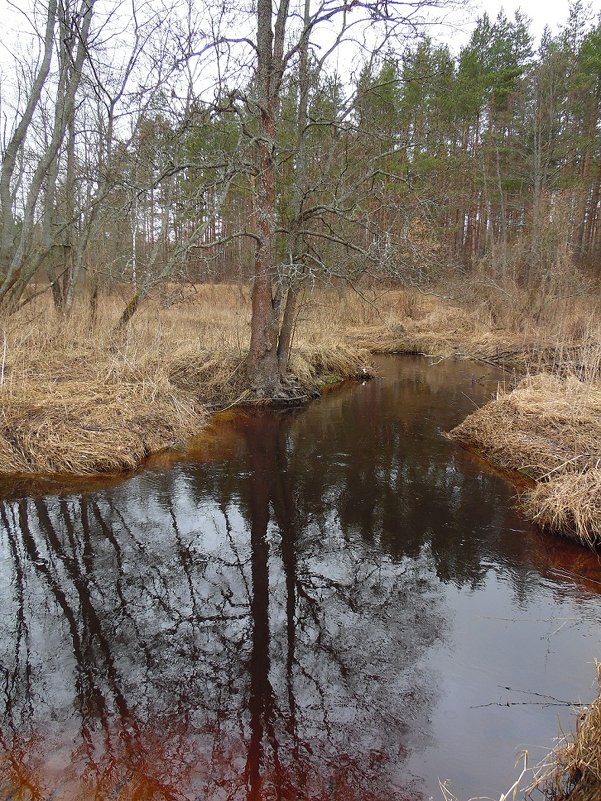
{"x": 542, "y": 12}
{"x": 459, "y": 22}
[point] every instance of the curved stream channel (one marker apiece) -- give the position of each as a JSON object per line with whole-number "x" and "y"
{"x": 329, "y": 604}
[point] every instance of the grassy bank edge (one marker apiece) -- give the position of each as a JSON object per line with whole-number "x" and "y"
{"x": 547, "y": 429}
{"x": 547, "y": 432}
{"x": 572, "y": 771}
{"x": 70, "y": 424}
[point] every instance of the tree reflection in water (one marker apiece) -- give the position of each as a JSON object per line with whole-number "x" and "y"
{"x": 174, "y": 642}
{"x": 266, "y": 622}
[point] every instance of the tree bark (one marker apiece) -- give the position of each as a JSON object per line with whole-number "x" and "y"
{"x": 262, "y": 366}
{"x": 287, "y": 330}
{"x": 297, "y": 248}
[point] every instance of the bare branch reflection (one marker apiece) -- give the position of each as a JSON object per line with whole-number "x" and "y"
{"x": 240, "y": 649}
{"x": 250, "y": 628}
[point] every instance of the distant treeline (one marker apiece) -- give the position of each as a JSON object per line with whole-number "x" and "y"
{"x": 125, "y": 163}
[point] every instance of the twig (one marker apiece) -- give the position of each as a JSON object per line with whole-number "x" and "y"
{"x": 4, "y": 352}
{"x": 563, "y": 464}
{"x": 525, "y": 703}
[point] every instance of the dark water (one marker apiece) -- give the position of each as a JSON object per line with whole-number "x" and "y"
{"x": 336, "y": 603}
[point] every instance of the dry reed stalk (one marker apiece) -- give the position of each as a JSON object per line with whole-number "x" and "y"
{"x": 572, "y": 772}
{"x": 509, "y": 795}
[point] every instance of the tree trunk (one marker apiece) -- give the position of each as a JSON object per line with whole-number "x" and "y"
{"x": 297, "y": 248}
{"x": 262, "y": 365}
{"x": 24, "y": 263}
{"x": 287, "y": 330}
{"x": 17, "y": 140}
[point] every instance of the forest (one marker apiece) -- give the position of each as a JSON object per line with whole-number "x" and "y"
{"x": 189, "y": 190}
{"x": 150, "y": 144}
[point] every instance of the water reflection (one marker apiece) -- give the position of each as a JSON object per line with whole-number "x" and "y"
{"x": 211, "y": 648}
{"x": 260, "y": 626}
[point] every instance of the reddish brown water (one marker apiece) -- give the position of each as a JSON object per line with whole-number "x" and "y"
{"x": 335, "y": 603}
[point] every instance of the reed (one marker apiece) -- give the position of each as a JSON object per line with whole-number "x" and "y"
{"x": 572, "y": 772}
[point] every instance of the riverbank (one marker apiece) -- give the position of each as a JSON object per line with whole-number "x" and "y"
{"x": 545, "y": 424}
{"x": 572, "y": 771}
{"x": 548, "y": 429}
{"x": 76, "y": 399}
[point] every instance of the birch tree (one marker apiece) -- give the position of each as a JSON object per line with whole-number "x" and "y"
{"x": 19, "y": 256}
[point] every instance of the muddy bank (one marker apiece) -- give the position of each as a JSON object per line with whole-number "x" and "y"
{"x": 549, "y": 429}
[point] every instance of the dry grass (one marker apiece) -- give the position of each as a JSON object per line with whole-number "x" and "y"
{"x": 573, "y": 772}
{"x": 460, "y": 322}
{"x": 83, "y": 426}
{"x": 547, "y": 424}
{"x": 76, "y": 399}
{"x": 568, "y": 503}
{"x": 549, "y": 429}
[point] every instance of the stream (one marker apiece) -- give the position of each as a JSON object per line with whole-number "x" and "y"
{"x": 335, "y": 603}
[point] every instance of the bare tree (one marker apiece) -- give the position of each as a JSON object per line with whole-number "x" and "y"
{"x": 21, "y": 257}
{"x": 280, "y": 41}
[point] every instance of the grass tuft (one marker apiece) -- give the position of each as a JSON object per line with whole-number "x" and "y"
{"x": 569, "y": 503}
{"x": 573, "y": 771}
{"x": 75, "y": 398}
{"x": 548, "y": 429}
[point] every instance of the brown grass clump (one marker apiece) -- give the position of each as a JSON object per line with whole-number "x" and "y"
{"x": 217, "y": 379}
{"x": 84, "y": 426}
{"x": 316, "y": 366}
{"x": 549, "y": 429}
{"x": 546, "y": 424}
{"x": 76, "y": 398}
{"x": 570, "y": 503}
{"x": 574, "y": 772}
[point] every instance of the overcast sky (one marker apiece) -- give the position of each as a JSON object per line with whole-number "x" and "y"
{"x": 459, "y": 22}
{"x": 542, "y": 12}
{"x": 456, "y": 32}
